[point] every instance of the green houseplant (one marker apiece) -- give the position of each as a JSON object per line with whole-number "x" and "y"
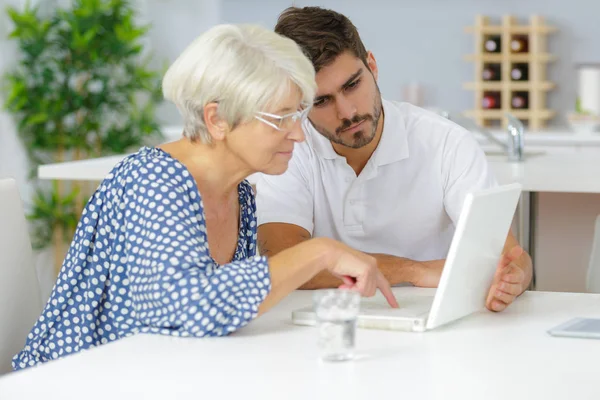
{"x": 82, "y": 88}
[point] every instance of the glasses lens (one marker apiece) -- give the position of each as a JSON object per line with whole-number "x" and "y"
{"x": 288, "y": 122}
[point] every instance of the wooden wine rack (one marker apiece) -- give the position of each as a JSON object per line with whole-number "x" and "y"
{"x": 536, "y": 59}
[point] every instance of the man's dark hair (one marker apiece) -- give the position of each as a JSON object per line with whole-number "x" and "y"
{"x": 322, "y": 34}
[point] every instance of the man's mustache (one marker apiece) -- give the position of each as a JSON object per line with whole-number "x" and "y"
{"x": 347, "y": 123}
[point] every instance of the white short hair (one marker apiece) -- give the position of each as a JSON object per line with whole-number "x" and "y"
{"x": 244, "y": 68}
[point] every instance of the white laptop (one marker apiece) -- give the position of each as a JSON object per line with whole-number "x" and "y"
{"x": 473, "y": 256}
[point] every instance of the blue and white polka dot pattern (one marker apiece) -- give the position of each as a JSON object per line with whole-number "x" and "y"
{"x": 139, "y": 262}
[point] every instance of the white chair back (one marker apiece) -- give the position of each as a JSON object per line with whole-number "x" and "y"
{"x": 593, "y": 274}
{"x": 20, "y": 303}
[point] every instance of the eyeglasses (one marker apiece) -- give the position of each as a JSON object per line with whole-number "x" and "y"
{"x": 283, "y": 123}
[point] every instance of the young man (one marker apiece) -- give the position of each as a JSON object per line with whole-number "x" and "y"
{"x": 386, "y": 178}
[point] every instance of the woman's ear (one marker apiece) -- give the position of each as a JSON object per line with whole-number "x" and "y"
{"x": 217, "y": 127}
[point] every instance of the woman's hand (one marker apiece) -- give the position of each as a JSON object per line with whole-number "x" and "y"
{"x": 359, "y": 272}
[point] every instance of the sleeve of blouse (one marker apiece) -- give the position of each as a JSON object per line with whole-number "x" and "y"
{"x": 173, "y": 282}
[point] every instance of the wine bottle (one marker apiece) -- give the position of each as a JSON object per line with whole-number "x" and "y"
{"x": 519, "y": 44}
{"x": 491, "y": 72}
{"x": 492, "y": 44}
{"x": 520, "y": 72}
{"x": 520, "y": 100}
{"x": 491, "y": 100}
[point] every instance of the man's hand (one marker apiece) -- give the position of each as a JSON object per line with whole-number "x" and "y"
{"x": 509, "y": 281}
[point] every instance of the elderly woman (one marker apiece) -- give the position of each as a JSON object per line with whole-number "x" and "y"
{"x": 167, "y": 244}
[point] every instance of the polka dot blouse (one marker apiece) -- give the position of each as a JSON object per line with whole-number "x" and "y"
{"x": 139, "y": 262}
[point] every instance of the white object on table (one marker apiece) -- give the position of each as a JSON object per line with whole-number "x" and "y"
{"x": 584, "y": 124}
{"x": 484, "y": 356}
{"x": 589, "y": 88}
{"x": 584, "y": 328}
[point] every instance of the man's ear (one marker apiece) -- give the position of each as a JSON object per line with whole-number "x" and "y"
{"x": 216, "y": 127}
{"x": 372, "y": 64}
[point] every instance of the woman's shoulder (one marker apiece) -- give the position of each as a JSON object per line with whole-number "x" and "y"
{"x": 149, "y": 161}
{"x": 149, "y": 170}
{"x": 147, "y": 165}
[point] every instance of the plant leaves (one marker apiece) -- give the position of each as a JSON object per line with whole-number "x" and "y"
{"x": 77, "y": 87}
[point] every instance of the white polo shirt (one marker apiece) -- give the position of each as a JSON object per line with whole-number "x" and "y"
{"x": 405, "y": 202}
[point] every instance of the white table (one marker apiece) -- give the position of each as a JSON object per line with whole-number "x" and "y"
{"x": 505, "y": 356}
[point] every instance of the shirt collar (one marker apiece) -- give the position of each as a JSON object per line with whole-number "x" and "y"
{"x": 392, "y": 147}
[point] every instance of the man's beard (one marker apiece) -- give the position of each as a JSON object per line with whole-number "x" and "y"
{"x": 359, "y": 138}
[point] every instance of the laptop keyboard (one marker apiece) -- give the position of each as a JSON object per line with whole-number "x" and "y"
{"x": 409, "y": 306}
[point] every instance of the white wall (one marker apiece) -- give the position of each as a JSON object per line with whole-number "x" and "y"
{"x": 175, "y": 23}
{"x": 424, "y": 41}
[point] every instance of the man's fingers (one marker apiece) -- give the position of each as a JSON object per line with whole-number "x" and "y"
{"x": 511, "y": 255}
{"x": 513, "y": 274}
{"x": 515, "y": 252}
{"x": 490, "y": 298}
{"x": 504, "y": 297}
{"x": 497, "y": 305}
{"x": 514, "y": 278}
{"x": 507, "y": 258}
{"x": 511, "y": 288}
{"x": 508, "y": 285}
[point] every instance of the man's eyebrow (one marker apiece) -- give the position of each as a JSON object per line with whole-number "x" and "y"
{"x": 344, "y": 85}
{"x": 352, "y": 78}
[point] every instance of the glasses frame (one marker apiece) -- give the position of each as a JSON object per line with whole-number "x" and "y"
{"x": 295, "y": 116}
